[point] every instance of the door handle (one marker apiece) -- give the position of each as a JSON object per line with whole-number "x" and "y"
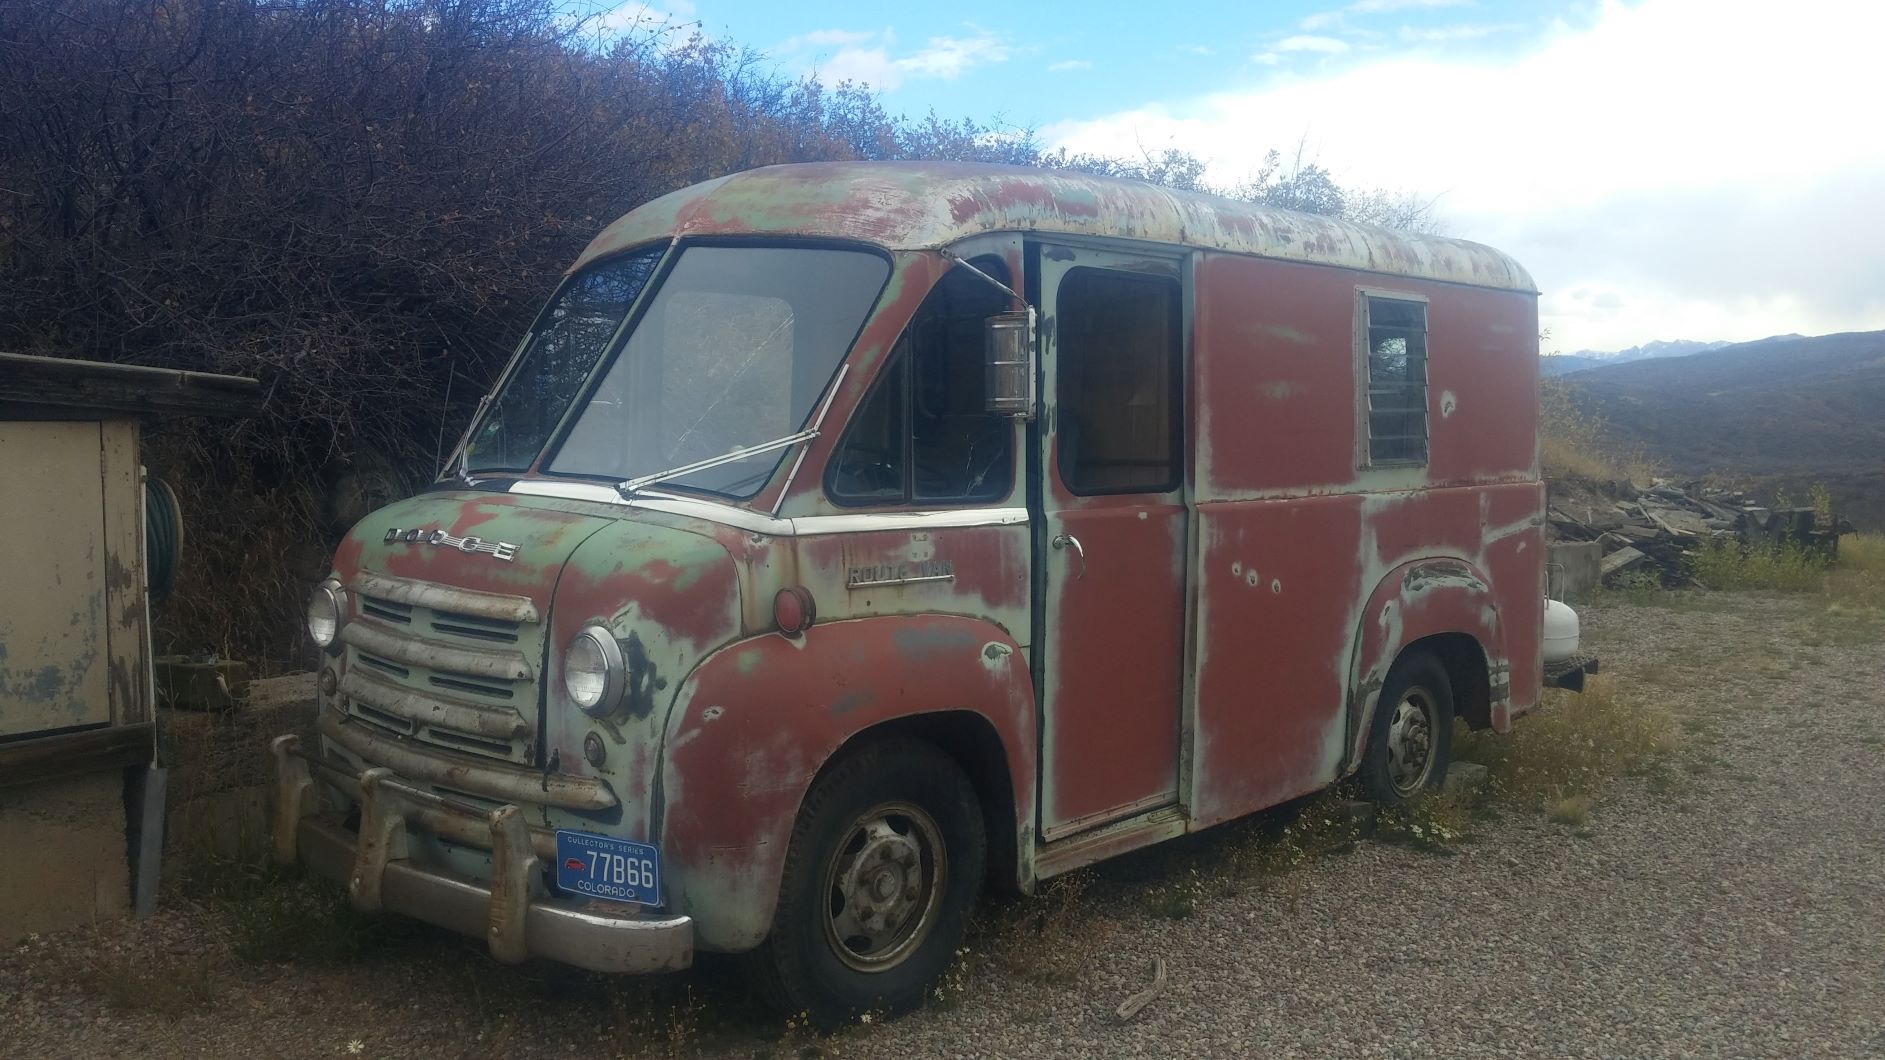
{"x": 1064, "y": 541}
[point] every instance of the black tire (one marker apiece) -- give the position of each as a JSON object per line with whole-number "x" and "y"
{"x": 1417, "y": 697}
{"x": 893, "y": 828}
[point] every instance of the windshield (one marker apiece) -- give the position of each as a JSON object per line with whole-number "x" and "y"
{"x": 569, "y": 339}
{"x": 734, "y": 350}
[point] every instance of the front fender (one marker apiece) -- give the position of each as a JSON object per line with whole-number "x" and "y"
{"x": 1419, "y": 599}
{"x": 752, "y": 726}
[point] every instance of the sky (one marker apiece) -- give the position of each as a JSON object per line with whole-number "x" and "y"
{"x": 1666, "y": 169}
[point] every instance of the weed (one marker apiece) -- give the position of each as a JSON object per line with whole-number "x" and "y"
{"x": 277, "y": 914}
{"x": 1026, "y": 937}
{"x": 1724, "y": 563}
{"x": 1571, "y": 810}
{"x": 1434, "y": 824}
{"x": 1173, "y": 901}
{"x": 1572, "y": 744}
{"x": 1821, "y": 497}
{"x": 1636, "y": 588}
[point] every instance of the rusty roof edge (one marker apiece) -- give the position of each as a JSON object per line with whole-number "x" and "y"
{"x": 927, "y": 206}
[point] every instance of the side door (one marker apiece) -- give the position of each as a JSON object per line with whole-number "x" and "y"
{"x": 1111, "y": 533}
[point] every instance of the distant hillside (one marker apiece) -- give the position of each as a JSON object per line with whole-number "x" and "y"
{"x": 1784, "y": 412}
{"x": 1565, "y": 363}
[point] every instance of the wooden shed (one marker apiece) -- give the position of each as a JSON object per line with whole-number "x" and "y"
{"x": 77, "y": 734}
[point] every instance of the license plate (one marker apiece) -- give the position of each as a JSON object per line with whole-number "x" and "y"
{"x": 600, "y": 866}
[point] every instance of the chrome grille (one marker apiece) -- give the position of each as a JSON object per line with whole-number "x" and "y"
{"x": 452, "y": 668}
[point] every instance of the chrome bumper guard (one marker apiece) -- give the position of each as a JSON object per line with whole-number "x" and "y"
{"x": 374, "y": 868}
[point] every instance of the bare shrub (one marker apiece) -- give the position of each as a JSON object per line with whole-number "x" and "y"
{"x": 360, "y": 202}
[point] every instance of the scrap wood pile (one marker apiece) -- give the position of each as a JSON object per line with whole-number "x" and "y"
{"x": 1654, "y": 531}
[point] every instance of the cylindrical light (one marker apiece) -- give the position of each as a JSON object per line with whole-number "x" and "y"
{"x": 325, "y": 613}
{"x": 593, "y": 672}
{"x": 793, "y": 610}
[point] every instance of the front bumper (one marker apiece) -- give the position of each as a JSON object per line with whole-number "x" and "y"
{"x": 512, "y": 913}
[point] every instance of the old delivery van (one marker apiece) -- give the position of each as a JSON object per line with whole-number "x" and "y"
{"x": 845, "y": 538}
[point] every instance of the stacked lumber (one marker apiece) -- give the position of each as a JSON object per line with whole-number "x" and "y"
{"x": 1654, "y": 531}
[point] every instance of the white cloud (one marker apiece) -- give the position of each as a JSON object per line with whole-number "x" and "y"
{"x": 635, "y": 17}
{"x": 1696, "y": 159}
{"x": 1301, "y": 43}
{"x": 1461, "y": 31}
{"x": 1305, "y": 43}
{"x": 1069, "y": 64}
{"x": 867, "y": 57}
{"x": 1339, "y": 16}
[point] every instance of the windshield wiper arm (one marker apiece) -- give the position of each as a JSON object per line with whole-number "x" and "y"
{"x": 629, "y": 487}
{"x": 634, "y": 485}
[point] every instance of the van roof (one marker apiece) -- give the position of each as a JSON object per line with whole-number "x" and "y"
{"x": 930, "y": 205}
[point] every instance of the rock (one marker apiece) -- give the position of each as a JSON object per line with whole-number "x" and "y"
{"x": 1465, "y": 778}
{"x": 1360, "y": 814}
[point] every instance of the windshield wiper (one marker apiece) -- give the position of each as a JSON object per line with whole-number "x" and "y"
{"x": 629, "y": 487}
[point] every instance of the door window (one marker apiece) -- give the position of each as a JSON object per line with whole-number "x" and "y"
{"x": 922, "y": 435}
{"x": 1118, "y": 391}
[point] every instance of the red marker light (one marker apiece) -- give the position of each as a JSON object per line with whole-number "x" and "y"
{"x": 792, "y": 609}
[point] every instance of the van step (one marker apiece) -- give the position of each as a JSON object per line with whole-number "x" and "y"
{"x": 1079, "y": 851}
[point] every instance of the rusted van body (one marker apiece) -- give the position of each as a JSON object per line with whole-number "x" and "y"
{"x": 744, "y": 561}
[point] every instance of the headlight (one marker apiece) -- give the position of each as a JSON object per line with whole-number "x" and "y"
{"x": 593, "y": 670}
{"x": 324, "y": 613}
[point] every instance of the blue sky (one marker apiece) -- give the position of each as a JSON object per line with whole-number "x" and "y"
{"x": 1699, "y": 169}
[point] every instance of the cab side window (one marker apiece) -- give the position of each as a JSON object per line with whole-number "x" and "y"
{"x": 921, "y": 436}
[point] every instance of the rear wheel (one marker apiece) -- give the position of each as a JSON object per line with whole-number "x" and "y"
{"x": 1410, "y": 739}
{"x": 885, "y": 861}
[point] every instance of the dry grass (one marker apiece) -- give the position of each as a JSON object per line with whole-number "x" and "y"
{"x": 165, "y": 986}
{"x": 1572, "y": 810}
{"x": 1573, "y": 744}
{"x": 1857, "y": 581}
{"x": 1577, "y": 444}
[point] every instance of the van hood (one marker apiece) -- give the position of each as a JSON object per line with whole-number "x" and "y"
{"x": 563, "y": 556}
{"x": 666, "y": 587}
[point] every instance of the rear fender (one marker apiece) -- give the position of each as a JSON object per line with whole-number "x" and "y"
{"x": 754, "y": 724}
{"x": 1420, "y": 599}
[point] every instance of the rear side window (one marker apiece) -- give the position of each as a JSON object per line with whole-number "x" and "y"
{"x": 1396, "y": 330}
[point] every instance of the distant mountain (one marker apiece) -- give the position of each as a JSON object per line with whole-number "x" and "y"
{"x": 1582, "y": 360}
{"x": 1786, "y": 411}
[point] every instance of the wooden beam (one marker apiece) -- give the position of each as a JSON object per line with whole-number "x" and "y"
{"x": 55, "y": 388}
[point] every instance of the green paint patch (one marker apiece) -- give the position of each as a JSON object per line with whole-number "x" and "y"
{"x": 748, "y": 661}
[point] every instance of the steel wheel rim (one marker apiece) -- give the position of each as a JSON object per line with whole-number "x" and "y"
{"x": 1410, "y": 742}
{"x": 884, "y": 885}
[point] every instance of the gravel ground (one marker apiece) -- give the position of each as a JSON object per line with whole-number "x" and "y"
{"x": 1739, "y": 912}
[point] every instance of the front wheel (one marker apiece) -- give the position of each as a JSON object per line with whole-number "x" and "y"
{"x": 885, "y": 861}
{"x": 1410, "y": 739}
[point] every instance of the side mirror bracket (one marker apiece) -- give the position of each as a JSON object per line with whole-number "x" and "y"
{"x": 1008, "y": 352}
